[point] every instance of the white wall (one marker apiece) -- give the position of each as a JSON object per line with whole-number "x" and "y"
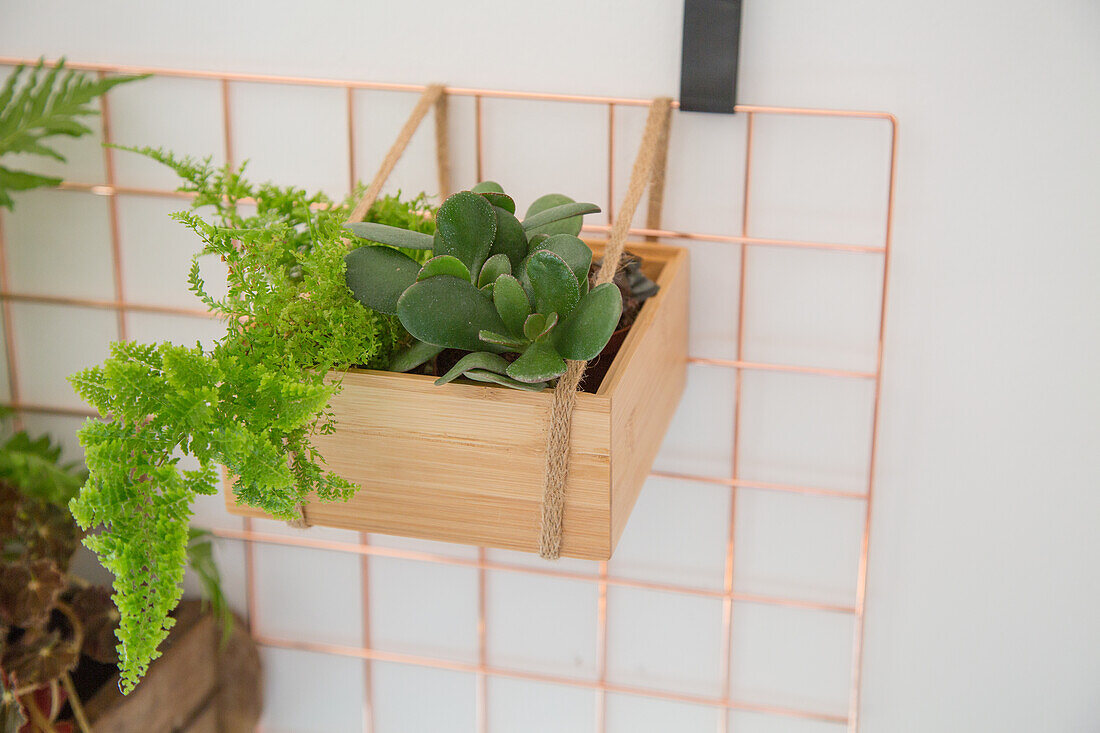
{"x": 983, "y": 583}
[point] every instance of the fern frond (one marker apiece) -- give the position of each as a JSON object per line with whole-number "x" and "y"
{"x": 250, "y": 403}
{"x": 45, "y": 105}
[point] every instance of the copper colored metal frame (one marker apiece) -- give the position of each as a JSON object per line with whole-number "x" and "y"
{"x": 482, "y": 670}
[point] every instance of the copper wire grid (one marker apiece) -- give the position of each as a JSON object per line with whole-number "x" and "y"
{"x": 482, "y": 670}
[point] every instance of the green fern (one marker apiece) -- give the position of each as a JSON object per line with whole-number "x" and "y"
{"x": 35, "y": 466}
{"x": 251, "y": 403}
{"x": 47, "y": 104}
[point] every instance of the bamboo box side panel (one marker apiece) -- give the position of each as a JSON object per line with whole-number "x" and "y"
{"x": 646, "y": 387}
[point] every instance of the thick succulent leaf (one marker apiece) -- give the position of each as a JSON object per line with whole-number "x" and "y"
{"x": 552, "y": 283}
{"x": 538, "y": 325}
{"x": 477, "y": 360}
{"x": 488, "y": 187}
{"x": 394, "y": 236}
{"x": 443, "y": 265}
{"x": 511, "y": 343}
{"x": 448, "y": 312}
{"x": 378, "y": 275}
{"x": 482, "y": 375}
{"x": 538, "y": 363}
{"x": 500, "y": 200}
{"x": 573, "y": 250}
{"x": 493, "y": 268}
{"x": 586, "y": 331}
{"x": 511, "y": 303}
{"x": 549, "y": 201}
{"x": 535, "y": 240}
{"x": 465, "y": 227}
{"x": 533, "y": 326}
{"x": 510, "y": 238}
{"x": 413, "y": 356}
{"x": 556, "y": 213}
{"x": 487, "y": 290}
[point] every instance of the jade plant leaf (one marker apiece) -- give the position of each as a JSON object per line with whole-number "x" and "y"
{"x": 449, "y": 312}
{"x": 552, "y": 283}
{"x": 538, "y": 363}
{"x": 510, "y": 342}
{"x": 483, "y": 375}
{"x": 413, "y": 356}
{"x": 476, "y": 360}
{"x": 511, "y": 303}
{"x": 465, "y": 228}
{"x": 378, "y": 275}
{"x": 587, "y": 330}
{"x": 510, "y": 238}
{"x": 556, "y": 213}
{"x": 494, "y": 194}
{"x": 444, "y": 265}
{"x": 571, "y": 249}
{"x": 493, "y": 268}
{"x": 393, "y": 236}
{"x": 538, "y": 325}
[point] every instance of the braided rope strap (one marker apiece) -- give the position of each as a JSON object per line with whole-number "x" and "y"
{"x": 649, "y": 169}
{"x": 434, "y": 96}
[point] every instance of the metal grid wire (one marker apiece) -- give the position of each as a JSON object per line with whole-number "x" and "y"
{"x": 482, "y": 670}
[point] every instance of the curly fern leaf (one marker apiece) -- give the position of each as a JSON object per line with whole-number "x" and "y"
{"x": 250, "y": 403}
{"x": 40, "y": 105}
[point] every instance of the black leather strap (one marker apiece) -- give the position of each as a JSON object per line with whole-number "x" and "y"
{"x": 708, "y": 71}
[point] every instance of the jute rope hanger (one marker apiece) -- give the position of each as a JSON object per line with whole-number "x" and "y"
{"x": 433, "y": 96}
{"x": 649, "y": 170}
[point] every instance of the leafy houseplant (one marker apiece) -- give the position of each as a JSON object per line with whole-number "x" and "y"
{"x": 250, "y": 403}
{"x": 494, "y": 285}
{"x": 47, "y": 104}
{"x": 50, "y": 621}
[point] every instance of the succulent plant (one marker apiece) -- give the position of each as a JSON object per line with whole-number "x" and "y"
{"x": 493, "y": 286}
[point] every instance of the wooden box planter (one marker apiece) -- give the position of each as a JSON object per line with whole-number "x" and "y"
{"x": 465, "y": 463}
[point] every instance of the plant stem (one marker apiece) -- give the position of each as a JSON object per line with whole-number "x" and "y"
{"x": 74, "y": 702}
{"x": 37, "y": 718}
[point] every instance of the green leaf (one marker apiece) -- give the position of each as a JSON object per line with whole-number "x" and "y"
{"x": 465, "y": 227}
{"x": 553, "y": 285}
{"x": 509, "y": 342}
{"x": 501, "y": 201}
{"x": 443, "y": 265}
{"x": 511, "y": 303}
{"x": 538, "y": 325}
{"x": 41, "y": 105}
{"x": 493, "y": 268}
{"x": 23, "y": 181}
{"x": 571, "y": 249}
{"x": 483, "y": 375}
{"x": 448, "y": 312}
{"x": 537, "y": 364}
{"x": 556, "y": 213}
{"x": 494, "y": 194}
{"x": 510, "y": 238}
{"x": 393, "y": 236}
{"x": 585, "y": 333}
{"x": 413, "y": 356}
{"x": 477, "y": 360}
{"x": 378, "y": 275}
